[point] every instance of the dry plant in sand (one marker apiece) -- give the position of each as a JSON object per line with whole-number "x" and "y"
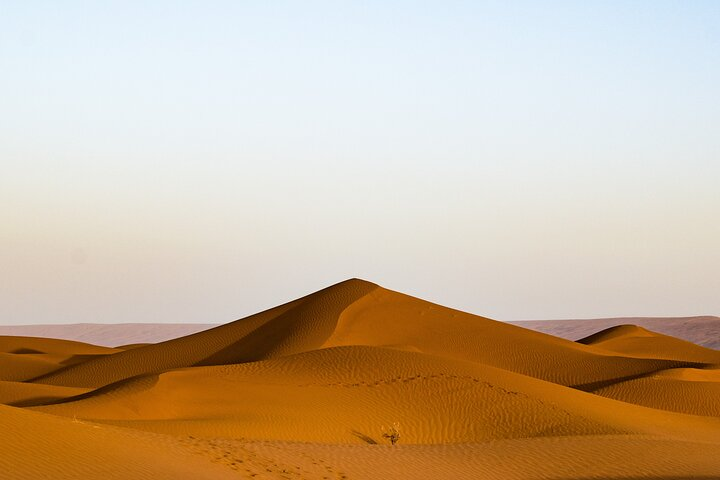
{"x": 392, "y": 433}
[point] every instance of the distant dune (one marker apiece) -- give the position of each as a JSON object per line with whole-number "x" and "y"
{"x": 307, "y": 389}
{"x": 703, "y": 330}
{"x": 109, "y": 335}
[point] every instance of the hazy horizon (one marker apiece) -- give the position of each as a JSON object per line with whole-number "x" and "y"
{"x": 199, "y": 162}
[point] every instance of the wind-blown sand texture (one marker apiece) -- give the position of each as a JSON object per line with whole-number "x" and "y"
{"x": 303, "y": 390}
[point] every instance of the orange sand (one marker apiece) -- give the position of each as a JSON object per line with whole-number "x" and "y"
{"x": 303, "y": 391}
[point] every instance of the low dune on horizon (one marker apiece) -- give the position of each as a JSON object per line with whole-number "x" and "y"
{"x": 317, "y": 388}
{"x": 703, "y": 330}
{"x": 108, "y": 334}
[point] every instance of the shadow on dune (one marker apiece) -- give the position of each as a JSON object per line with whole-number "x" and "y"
{"x": 26, "y": 351}
{"x": 364, "y": 437}
{"x": 146, "y": 382}
{"x": 36, "y": 401}
{"x": 592, "y": 386}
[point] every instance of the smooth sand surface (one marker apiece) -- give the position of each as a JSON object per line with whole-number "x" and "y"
{"x": 306, "y": 390}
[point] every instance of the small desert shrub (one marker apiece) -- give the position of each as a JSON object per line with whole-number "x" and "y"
{"x": 392, "y": 433}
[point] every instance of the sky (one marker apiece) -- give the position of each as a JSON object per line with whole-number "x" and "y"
{"x": 199, "y": 161}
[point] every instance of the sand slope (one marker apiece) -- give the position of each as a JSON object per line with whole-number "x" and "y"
{"x": 296, "y": 326}
{"x": 346, "y": 394}
{"x": 607, "y": 457}
{"x": 35, "y": 446}
{"x": 27, "y": 394}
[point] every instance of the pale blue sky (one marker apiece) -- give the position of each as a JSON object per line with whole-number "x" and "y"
{"x": 200, "y": 161}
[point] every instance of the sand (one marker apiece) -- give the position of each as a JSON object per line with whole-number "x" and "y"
{"x": 306, "y": 390}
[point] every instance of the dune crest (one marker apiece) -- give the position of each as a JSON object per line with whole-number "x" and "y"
{"x": 636, "y": 341}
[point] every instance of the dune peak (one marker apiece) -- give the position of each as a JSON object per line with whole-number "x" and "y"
{"x": 617, "y": 332}
{"x": 355, "y": 281}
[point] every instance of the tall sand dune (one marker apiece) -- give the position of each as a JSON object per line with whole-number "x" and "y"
{"x": 356, "y": 312}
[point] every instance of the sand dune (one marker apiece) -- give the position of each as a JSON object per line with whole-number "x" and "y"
{"x": 635, "y": 341}
{"x": 15, "y": 367}
{"x": 436, "y": 400}
{"x": 300, "y": 325}
{"x": 356, "y": 390}
{"x": 303, "y": 391}
{"x": 701, "y": 330}
{"x": 678, "y": 390}
{"x": 23, "y": 358}
{"x": 361, "y": 313}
